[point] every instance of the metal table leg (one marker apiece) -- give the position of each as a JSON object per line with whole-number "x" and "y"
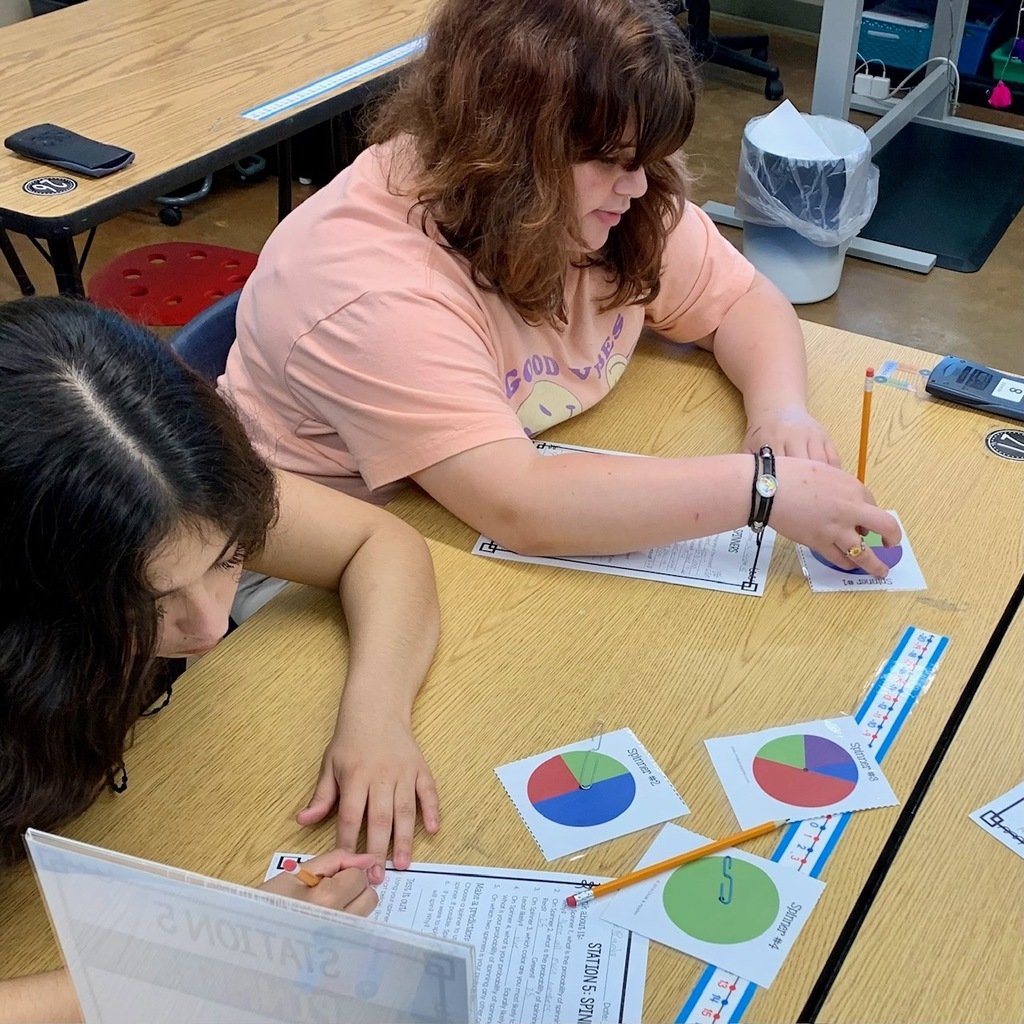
{"x": 284, "y": 179}
{"x": 17, "y": 267}
{"x": 66, "y": 268}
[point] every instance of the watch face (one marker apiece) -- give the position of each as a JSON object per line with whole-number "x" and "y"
{"x": 766, "y": 485}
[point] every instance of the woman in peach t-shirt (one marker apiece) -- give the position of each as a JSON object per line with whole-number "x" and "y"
{"x": 484, "y": 270}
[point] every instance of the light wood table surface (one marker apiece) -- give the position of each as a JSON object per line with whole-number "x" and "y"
{"x": 169, "y": 80}
{"x": 942, "y": 941}
{"x": 531, "y": 657}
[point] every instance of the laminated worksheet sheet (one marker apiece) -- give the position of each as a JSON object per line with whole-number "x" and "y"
{"x": 1003, "y": 819}
{"x": 720, "y": 562}
{"x": 537, "y": 959}
{"x": 739, "y": 912}
{"x": 148, "y": 942}
{"x": 799, "y": 771}
{"x": 586, "y": 793}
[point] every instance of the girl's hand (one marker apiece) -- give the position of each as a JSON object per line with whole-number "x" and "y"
{"x": 374, "y": 770}
{"x": 345, "y": 882}
{"x": 830, "y": 511}
{"x": 790, "y": 431}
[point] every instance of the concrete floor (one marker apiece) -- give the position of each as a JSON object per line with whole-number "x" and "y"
{"x": 977, "y": 315}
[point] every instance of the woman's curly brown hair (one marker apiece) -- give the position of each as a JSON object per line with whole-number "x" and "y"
{"x": 506, "y": 97}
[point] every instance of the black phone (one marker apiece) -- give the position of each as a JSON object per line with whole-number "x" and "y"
{"x": 61, "y": 147}
{"x": 978, "y": 386}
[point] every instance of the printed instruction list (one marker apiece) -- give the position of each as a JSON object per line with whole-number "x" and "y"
{"x": 537, "y": 961}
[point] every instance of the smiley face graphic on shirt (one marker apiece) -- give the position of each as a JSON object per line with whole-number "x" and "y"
{"x": 614, "y": 369}
{"x": 547, "y": 404}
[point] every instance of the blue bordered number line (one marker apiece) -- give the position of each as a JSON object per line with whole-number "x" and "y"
{"x": 720, "y": 997}
{"x": 305, "y": 93}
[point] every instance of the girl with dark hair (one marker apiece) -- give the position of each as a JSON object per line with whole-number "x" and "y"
{"x": 131, "y": 501}
{"x": 483, "y": 272}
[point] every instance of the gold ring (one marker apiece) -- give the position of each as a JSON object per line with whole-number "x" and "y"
{"x": 855, "y": 552}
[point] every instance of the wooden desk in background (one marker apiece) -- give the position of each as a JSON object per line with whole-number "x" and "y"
{"x": 942, "y": 941}
{"x": 531, "y": 656}
{"x": 170, "y": 80}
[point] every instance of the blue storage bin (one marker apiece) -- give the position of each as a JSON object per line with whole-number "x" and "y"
{"x": 976, "y": 44}
{"x": 895, "y": 36}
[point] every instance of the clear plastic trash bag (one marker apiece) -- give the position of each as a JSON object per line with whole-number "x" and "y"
{"x": 827, "y": 200}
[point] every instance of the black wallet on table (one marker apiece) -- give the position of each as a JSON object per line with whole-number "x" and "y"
{"x": 51, "y": 144}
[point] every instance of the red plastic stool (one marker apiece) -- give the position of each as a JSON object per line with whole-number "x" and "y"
{"x": 166, "y": 285}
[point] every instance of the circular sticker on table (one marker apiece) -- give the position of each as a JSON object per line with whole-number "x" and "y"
{"x": 1007, "y": 444}
{"x": 51, "y": 185}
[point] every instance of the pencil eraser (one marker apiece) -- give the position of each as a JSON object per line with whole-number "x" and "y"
{"x": 570, "y": 901}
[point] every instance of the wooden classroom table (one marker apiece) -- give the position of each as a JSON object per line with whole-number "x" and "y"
{"x": 531, "y": 657}
{"x": 942, "y": 940}
{"x": 169, "y": 80}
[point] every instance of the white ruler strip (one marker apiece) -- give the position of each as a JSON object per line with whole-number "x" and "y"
{"x": 327, "y": 84}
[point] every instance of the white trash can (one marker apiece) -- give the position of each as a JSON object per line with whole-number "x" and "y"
{"x": 805, "y": 188}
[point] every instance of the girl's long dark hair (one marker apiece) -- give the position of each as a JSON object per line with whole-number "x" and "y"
{"x": 108, "y": 445}
{"x": 506, "y": 97}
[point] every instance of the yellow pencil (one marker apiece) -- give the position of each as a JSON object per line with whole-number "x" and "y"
{"x": 865, "y": 423}
{"x": 586, "y": 895}
{"x": 290, "y": 866}
{"x": 306, "y": 877}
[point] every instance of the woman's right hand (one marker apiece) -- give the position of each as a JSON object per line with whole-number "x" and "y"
{"x": 830, "y": 511}
{"x": 345, "y": 883}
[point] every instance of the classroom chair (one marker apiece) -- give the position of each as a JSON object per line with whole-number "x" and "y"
{"x": 168, "y": 284}
{"x": 204, "y": 341}
{"x": 248, "y": 169}
{"x": 726, "y": 50}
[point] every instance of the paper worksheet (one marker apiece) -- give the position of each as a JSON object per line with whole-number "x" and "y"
{"x": 799, "y": 771}
{"x": 785, "y": 131}
{"x": 1003, "y": 819}
{"x": 826, "y": 577}
{"x": 538, "y": 961}
{"x": 739, "y": 912}
{"x": 720, "y": 562}
{"x": 148, "y": 942}
{"x": 586, "y": 793}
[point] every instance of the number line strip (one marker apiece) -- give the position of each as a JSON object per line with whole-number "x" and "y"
{"x": 900, "y": 682}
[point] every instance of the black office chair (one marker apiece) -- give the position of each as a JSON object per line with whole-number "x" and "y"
{"x": 14, "y": 262}
{"x": 726, "y": 49}
{"x": 204, "y": 341}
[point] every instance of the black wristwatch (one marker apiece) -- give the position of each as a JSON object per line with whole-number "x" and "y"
{"x": 763, "y": 491}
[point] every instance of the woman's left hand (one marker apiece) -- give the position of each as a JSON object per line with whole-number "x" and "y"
{"x": 374, "y": 770}
{"x": 790, "y": 431}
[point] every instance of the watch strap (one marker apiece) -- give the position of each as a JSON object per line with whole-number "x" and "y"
{"x": 762, "y": 491}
